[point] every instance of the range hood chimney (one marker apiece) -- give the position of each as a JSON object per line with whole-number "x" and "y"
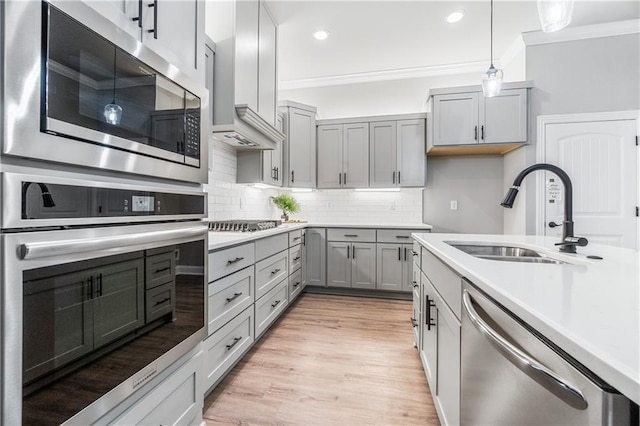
{"x": 243, "y": 66}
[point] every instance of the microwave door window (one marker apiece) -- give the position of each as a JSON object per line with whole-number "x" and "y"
{"x": 167, "y": 117}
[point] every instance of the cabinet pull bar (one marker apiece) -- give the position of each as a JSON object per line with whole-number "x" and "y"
{"x": 339, "y": 178}
{"x": 160, "y": 302}
{"x": 99, "y": 285}
{"x": 236, "y": 260}
{"x": 295, "y": 259}
{"x": 398, "y": 178}
{"x": 296, "y": 238}
{"x": 353, "y": 252}
{"x": 90, "y": 288}
{"x": 475, "y": 133}
{"x": 296, "y": 284}
{"x": 415, "y": 284}
{"x": 405, "y": 254}
{"x": 235, "y": 342}
{"x": 348, "y": 249}
{"x": 345, "y": 178}
{"x": 275, "y": 271}
{"x": 292, "y": 177}
{"x": 399, "y": 250}
{"x": 139, "y": 17}
{"x": 276, "y": 303}
{"x": 482, "y": 132}
{"x": 235, "y": 296}
{"x": 430, "y": 304}
{"x": 414, "y": 253}
{"x": 154, "y": 5}
{"x": 162, "y": 269}
{"x": 414, "y": 323}
{"x": 402, "y": 236}
{"x": 394, "y": 177}
{"x": 351, "y": 235}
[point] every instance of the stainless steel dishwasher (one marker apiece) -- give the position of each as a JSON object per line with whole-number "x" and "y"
{"x": 511, "y": 376}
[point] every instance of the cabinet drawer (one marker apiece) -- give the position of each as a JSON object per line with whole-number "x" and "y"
{"x": 224, "y": 347}
{"x": 271, "y": 245}
{"x": 228, "y": 261}
{"x": 269, "y": 308}
{"x": 448, "y": 284}
{"x": 229, "y": 296}
{"x": 160, "y": 268}
{"x": 160, "y": 301}
{"x": 177, "y": 400}
{"x": 351, "y": 234}
{"x": 295, "y": 237}
{"x": 396, "y": 235}
{"x": 295, "y": 258}
{"x": 270, "y": 271}
{"x": 295, "y": 285}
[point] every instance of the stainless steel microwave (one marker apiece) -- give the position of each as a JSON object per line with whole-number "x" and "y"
{"x": 78, "y": 90}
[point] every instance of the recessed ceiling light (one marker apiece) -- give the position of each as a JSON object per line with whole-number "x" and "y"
{"x": 455, "y": 16}
{"x": 320, "y": 34}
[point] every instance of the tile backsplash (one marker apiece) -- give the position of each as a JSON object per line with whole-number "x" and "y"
{"x": 228, "y": 200}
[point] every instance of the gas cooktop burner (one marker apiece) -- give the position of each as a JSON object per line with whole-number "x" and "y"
{"x": 243, "y": 225}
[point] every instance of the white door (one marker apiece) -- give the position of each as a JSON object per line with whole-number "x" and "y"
{"x": 601, "y": 158}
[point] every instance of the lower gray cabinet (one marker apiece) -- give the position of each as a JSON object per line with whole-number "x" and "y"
{"x": 351, "y": 264}
{"x": 394, "y": 263}
{"x": 315, "y": 253}
{"x": 271, "y": 305}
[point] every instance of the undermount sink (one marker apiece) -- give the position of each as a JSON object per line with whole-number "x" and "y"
{"x": 504, "y": 253}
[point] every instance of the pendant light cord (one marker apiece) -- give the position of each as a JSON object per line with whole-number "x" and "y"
{"x": 491, "y": 41}
{"x": 114, "y": 76}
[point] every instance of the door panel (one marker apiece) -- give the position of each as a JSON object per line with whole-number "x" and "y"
{"x": 504, "y": 117}
{"x": 390, "y": 267}
{"x": 455, "y": 119}
{"x": 383, "y": 151}
{"x": 338, "y": 264}
{"x": 407, "y": 268}
{"x": 315, "y": 257}
{"x": 412, "y": 158}
{"x": 356, "y": 156}
{"x": 601, "y": 160}
{"x": 302, "y": 148}
{"x": 363, "y": 265}
{"x": 330, "y": 156}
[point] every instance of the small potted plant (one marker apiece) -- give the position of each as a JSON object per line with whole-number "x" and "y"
{"x": 287, "y": 204}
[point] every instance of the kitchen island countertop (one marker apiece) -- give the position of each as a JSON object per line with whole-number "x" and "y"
{"x": 218, "y": 240}
{"x": 590, "y": 308}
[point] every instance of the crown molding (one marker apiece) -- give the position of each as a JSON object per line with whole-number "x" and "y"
{"x": 608, "y": 29}
{"x": 397, "y": 74}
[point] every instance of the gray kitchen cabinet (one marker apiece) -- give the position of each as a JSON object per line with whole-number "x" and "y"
{"x": 174, "y": 29}
{"x": 351, "y": 265}
{"x": 263, "y": 166}
{"x": 429, "y": 341}
{"x": 267, "y": 60}
{"x": 462, "y": 117}
{"x": 299, "y": 159}
{"x": 394, "y": 267}
{"x": 397, "y": 151}
{"x": 315, "y": 253}
{"x": 343, "y": 155}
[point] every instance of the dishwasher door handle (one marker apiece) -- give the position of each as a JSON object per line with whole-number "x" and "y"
{"x": 538, "y": 372}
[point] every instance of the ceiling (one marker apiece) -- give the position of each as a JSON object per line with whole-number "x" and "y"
{"x": 395, "y": 36}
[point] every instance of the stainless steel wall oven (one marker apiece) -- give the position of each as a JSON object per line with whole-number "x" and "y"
{"x": 103, "y": 288}
{"x": 103, "y": 99}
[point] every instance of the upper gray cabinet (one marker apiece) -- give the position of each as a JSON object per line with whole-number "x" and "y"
{"x": 174, "y": 29}
{"x": 397, "y": 153}
{"x": 343, "y": 155}
{"x": 263, "y": 166}
{"x": 299, "y": 159}
{"x": 465, "y": 122}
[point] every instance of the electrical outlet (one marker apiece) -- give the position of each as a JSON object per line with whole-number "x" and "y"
{"x": 329, "y": 205}
{"x": 454, "y": 205}
{"x": 392, "y": 206}
{"x": 241, "y": 203}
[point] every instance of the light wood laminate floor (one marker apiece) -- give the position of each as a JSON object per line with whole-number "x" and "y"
{"x": 330, "y": 360}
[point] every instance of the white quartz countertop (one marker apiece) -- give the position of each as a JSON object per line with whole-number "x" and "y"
{"x": 589, "y": 308}
{"x": 218, "y": 240}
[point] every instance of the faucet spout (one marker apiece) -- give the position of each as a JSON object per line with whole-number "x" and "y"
{"x": 569, "y": 241}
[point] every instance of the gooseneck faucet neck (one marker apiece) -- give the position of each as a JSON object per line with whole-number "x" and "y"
{"x": 564, "y": 178}
{"x": 569, "y": 241}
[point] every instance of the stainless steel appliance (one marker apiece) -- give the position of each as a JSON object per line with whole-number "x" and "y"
{"x": 513, "y": 376}
{"x": 243, "y": 225}
{"x": 84, "y": 93}
{"x": 104, "y": 287}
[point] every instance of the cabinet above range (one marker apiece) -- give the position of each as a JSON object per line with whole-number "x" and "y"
{"x": 244, "y": 75}
{"x": 464, "y": 122}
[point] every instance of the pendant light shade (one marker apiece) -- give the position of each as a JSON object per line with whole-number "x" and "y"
{"x": 112, "y": 111}
{"x": 492, "y": 79}
{"x": 492, "y": 82}
{"x": 554, "y": 14}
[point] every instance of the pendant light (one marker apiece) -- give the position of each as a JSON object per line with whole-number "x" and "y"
{"x": 492, "y": 79}
{"x": 554, "y": 14}
{"x": 113, "y": 111}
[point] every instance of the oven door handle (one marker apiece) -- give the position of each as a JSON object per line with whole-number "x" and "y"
{"x": 532, "y": 368}
{"x": 37, "y": 250}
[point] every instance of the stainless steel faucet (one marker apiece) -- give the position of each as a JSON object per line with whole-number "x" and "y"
{"x": 569, "y": 241}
